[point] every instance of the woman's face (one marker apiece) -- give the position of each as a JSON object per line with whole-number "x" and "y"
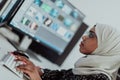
{"x": 89, "y": 42}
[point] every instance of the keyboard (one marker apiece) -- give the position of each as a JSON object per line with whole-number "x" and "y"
{"x": 9, "y": 62}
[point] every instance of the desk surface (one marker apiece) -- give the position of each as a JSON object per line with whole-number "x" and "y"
{"x": 6, "y": 74}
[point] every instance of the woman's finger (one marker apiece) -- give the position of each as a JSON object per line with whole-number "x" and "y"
{"x": 24, "y": 68}
{"x": 23, "y": 59}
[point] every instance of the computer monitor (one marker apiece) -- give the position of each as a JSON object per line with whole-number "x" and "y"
{"x": 52, "y": 23}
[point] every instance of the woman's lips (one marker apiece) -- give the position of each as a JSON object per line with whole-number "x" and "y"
{"x": 82, "y": 44}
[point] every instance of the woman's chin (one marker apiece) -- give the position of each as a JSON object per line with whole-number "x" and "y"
{"x": 81, "y": 51}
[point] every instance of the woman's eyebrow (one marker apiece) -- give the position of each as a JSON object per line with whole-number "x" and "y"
{"x": 91, "y": 31}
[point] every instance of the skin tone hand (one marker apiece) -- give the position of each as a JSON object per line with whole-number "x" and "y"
{"x": 28, "y": 68}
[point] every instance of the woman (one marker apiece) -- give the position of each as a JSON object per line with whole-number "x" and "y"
{"x": 102, "y": 49}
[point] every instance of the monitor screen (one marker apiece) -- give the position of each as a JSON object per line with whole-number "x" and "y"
{"x": 53, "y": 23}
{"x": 3, "y": 5}
{"x": 6, "y": 7}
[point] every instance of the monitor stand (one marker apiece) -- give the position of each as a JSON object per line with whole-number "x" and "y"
{"x": 25, "y": 43}
{"x": 24, "y": 46}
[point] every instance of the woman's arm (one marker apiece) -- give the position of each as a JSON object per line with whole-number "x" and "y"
{"x": 68, "y": 75}
{"x": 35, "y": 73}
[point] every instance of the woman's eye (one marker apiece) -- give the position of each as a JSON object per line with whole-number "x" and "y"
{"x": 91, "y": 35}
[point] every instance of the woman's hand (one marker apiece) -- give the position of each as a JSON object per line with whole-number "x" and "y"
{"x": 28, "y": 68}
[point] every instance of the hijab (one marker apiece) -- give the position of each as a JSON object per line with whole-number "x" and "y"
{"x": 106, "y": 57}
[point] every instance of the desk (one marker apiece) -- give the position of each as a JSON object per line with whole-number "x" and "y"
{"x": 5, "y": 47}
{"x": 5, "y": 74}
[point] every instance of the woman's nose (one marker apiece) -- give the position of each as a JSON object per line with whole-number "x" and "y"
{"x": 84, "y": 37}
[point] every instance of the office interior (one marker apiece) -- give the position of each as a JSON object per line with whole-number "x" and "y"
{"x": 102, "y": 11}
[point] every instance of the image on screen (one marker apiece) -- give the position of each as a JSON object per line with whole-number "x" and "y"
{"x": 53, "y": 23}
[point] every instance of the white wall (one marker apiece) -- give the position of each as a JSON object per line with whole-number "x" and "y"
{"x": 96, "y": 11}
{"x": 103, "y": 11}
